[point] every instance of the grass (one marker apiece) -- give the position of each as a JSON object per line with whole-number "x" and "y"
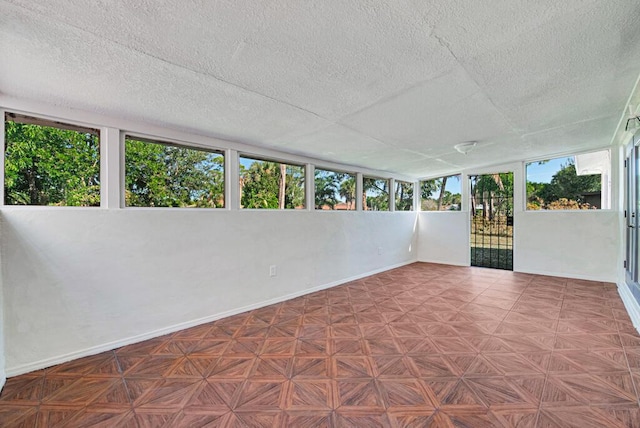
{"x": 492, "y": 258}
{"x": 492, "y": 245}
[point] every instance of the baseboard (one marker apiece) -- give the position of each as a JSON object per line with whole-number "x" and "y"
{"x": 443, "y": 262}
{"x": 48, "y": 362}
{"x": 567, "y": 275}
{"x": 631, "y": 304}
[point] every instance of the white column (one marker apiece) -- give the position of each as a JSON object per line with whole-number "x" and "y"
{"x": 416, "y": 196}
{"x": 310, "y": 187}
{"x": 111, "y": 168}
{"x": 392, "y": 194}
{"x": 359, "y": 187}
{"x": 231, "y": 180}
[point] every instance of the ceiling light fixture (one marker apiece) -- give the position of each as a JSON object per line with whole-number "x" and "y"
{"x": 465, "y": 147}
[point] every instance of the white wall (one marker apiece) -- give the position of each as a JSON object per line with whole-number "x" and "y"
{"x": 571, "y": 244}
{"x": 576, "y": 244}
{"x": 444, "y": 237}
{"x": 78, "y": 281}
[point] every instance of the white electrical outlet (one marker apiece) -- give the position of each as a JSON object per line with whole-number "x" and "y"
{"x": 379, "y": 251}
{"x": 273, "y": 270}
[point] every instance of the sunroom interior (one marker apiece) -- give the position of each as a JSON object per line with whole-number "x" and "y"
{"x": 399, "y": 92}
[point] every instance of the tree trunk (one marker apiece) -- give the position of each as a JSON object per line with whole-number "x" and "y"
{"x": 442, "y": 187}
{"x": 491, "y": 206}
{"x": 33, "y": 188}
{"x": 485, "y": 211}
{"x": 473, "y": 200}
{"x": 498, "y": 180}
{"x": 283, "y": 183}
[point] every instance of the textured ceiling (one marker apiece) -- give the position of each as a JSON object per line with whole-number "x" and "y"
{"x": 391, "y": 85}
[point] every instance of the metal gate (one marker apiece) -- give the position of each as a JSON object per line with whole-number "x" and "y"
{"x": 492, "y": 220}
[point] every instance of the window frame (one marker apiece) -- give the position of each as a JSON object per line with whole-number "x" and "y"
{"x": 124, "y": 135}
{"x": 58, "y": 123}
{"x": 337, "y": 171}
{"x": 461, "y": 207}
{"x": 364, "y": 192}
{"x": 260, "y": 158}
{"x": 610, "y": 183}
{"x": 412, "y": 206}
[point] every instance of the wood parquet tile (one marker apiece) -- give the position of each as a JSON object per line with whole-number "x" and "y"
{"x": 420, "y": 346}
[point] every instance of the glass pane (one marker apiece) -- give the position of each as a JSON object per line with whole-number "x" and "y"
{"x": 404, "y": 196}
{"x": 568, "y": 183}
{"x": 164, "y": 175}
{"x": 334, "y": 190}
{"x": 441, "y": 194}
{"x": 49, "y": 163}
{"x": 271, "y": 185}
{"x": 376, "y": 194}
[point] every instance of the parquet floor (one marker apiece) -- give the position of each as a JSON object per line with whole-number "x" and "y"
{"x": 419, "y": 346}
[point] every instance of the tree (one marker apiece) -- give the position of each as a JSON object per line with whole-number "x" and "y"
{"x": 159, "y": 175}
{"x": 376, "y": 194}
{"x": 567, "y": 184}
{"x": 326, "y": 189}
{"x": 261, "y": 185}
{"x": 348, "y": 190}
{"x": 404, "y": 196}
{"x": 443, "y": 186}
{"x": 494, "y": 192}
{"x": 45, "y": 165}
{"x": 566, "y": 190}
{"x": 428, "y": 189}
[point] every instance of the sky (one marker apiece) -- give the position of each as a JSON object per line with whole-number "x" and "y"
{"x": 543, "y": 173}
{"x": 246, "y": 162}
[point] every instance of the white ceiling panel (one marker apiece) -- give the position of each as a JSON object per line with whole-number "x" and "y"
{"x": 84, "y": 69}
{"x": 441, "y": 112}
{"x": 393, "y": 85}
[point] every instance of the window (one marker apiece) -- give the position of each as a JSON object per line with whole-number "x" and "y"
{"x": 159, "y": 174}
{"x": 50, "y": 163}
{"x": 441, "y": 194}
{"x": 578, "y": 182}
{"x": 376, "y": 194}
{"x": 404, "y": 196}
{"x": 271, "y": 185}
{"x": 334, "y": 190}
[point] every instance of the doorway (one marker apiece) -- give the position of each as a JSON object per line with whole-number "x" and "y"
{"x": 492, "y": 220}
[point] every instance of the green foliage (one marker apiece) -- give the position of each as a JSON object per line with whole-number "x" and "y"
{"x": 348, "y": 191}
{"x": 377, "y": 194}
{"x": 404, "y": 196}
{"x": 493, "y": 193}
{"x": 332, "y": 187}
{"x": 51, "y": 166}
{"x": 565, "y": 190}
{"x": 436, "y": 197}
{"x": 260, "y": 185}
{"x": 159, "y": 175}
{"x": 429, "y": 187}
{"x": 326, "y": 191}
